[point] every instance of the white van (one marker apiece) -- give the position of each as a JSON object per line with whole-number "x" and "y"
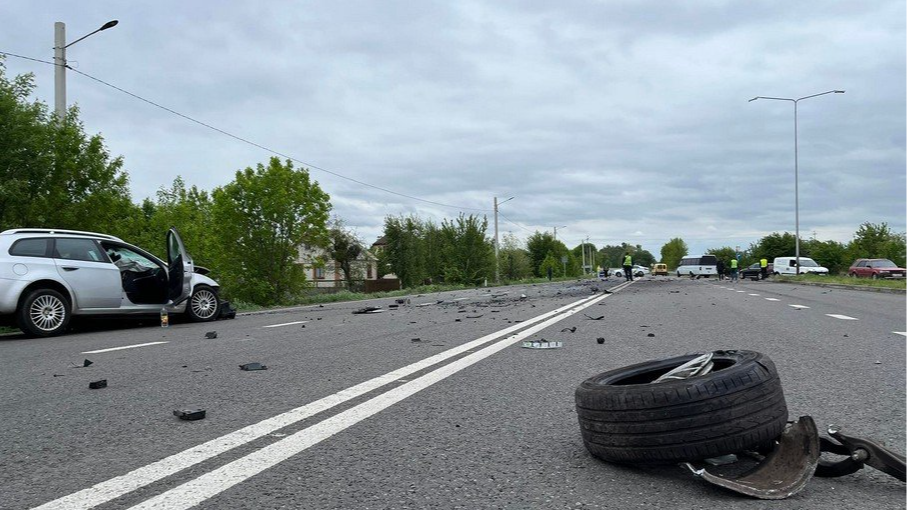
{"x": 706, "y": 265}
{"x": 788, "y": 265}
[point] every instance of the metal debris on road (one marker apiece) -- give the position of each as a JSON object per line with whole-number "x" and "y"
{"x": 700, "y": 365}
{"x": 96, "y": 385}
{"x": 253, "y": 366}
{"x": 570, "y": 329}
{"x": 189, "y": 414}
{"x": 542, "y": 344}
{"x": 87, "y": 363}
{"x": 368, "y": 309}
{"x": 600, "y": 317}
{"x": 211, "y": 334}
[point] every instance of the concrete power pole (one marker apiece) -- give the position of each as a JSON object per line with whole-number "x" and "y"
{"x": 60, "y": 70}
{"x": 497, "y": 263}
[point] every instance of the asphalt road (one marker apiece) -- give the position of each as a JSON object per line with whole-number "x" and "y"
{"x": 352, "y": 413}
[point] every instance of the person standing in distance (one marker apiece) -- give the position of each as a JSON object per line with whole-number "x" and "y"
{"x": 628, "y": 267}
{"x": 734, "y": 269}
{"x": 719, "y": 268}
{"x": 763, "y": 268}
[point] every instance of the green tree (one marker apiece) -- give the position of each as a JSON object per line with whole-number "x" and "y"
{"x": 830, "y": 254}
{"x": 513, "y": 259}
{"x": 405, "y": 249}
{"x": 539, "y": 245}
{"x": 262, "y": 218}
{"x": 673, "y": 251}
{"x": 642, "y": 257}
{"x": 345, "y": 248}
{"x": 873, "y": 240}
{"x": 725, "y": 254}
{"x": 549, "y": 262}
{"x": 469, "y": 256}
{"x": 53, "y": 174}
{"x": 775, "y": 245}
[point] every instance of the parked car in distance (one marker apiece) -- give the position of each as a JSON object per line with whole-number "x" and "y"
{"x": 47, "y": 276}
{"x": 788, "y": 266}
{"x": 640, "y": 271}
{"x": 755, "y": 271}
{"x": 875, "y": 269}
{"x": 660, "y": 270}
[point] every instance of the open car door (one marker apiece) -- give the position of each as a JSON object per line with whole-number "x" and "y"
{"x": 179, "y": 268}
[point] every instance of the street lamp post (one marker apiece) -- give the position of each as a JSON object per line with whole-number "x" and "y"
{"x": 555, "y": 231}
{"x": 796, "y": 163}
{"x": 60, "y": 63}
{"x": 497, "y": 263}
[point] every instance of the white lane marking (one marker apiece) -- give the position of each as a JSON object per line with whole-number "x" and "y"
{"x": 214, "y": 482}
{"x": 741, "y": 291}
{"x": 798, "y": 306}
{"x": 124, "y": 347}
{"x": 285, "y": 324}
{"x": 772, "y": 299}
{"x": 902, "y": 333}
{"x": 842, "y": 317}
{"x": 118, "y": 486}
{"x": 752, "y": 294}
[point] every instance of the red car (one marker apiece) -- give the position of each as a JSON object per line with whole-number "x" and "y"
{"x": 875, "y": 269}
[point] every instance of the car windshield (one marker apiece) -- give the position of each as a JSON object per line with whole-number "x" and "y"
{"x": 882, "y": 263}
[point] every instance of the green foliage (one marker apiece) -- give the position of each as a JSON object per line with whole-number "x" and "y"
{"x": 513, "y": 259}
{"x": 725, "y": 254}
{"x": 830, "y": 254}
{"x": 673, "y": 251}
{"x": 456, "y": 252}
{"x": 345, "y": 248}
{"x": 549, "y": 262}
{"x": 53, "y": 174}
{"x": 262, "y": 218}
{"x": 542, "y": 244}
{"x": 877, "y": 241}
{"x": 776, "y": 245}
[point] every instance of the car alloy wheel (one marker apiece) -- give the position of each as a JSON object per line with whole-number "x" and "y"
{"x": 47, "y": 312}
{"x": 203, "y": 305}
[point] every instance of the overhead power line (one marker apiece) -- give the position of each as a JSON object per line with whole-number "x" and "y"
{"x": 247, "y": 141}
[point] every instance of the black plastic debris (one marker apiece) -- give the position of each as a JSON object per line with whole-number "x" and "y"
{"x": 211, "y": 334}
{"x": 227, "y": 310}
{"x": 600, "y": 340}
{"x": 458, "y": 320}
{"x": 87, "y": 363}
{"x": 650, "y": 335}
{"x": 392, "y": 306}
{"x": 474, "y": 316}
{"x": 606, "y": 291}
{"x": 402, "y": 301}
{"x": 416, "y": 339}
{"x": 570, "y": 329}
{"x": 253, "y": 366}
{"x": 96, "y": 385}
{"x": 368, "y": 309}
{"x": 600, "y": 317}
{"x": 189, "y": 414}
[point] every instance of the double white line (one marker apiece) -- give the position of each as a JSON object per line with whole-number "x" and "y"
{"x": 214, "y": 482}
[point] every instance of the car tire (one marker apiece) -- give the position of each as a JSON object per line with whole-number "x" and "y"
{"x": 875, "y": 276}
{"x": 204, "y": 304}
{"x": 44, "y": 313}
{"x": 624, "y": 417}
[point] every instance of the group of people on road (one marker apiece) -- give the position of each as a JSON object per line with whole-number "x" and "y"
{"x": 732, "y": 270}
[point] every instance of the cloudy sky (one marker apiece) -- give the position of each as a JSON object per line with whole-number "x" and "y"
{"x": 621, "y": 120}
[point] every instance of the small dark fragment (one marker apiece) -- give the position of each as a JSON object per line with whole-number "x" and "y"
{"x": 87, "y": 363}
{"x": 189, "y": 414}
{"x": 211, "y": 334}
{"x": 96, "y": 385}
{"x": 570, "y": 329}
{"x": 600, "y": 317}
{"x": 253, "y": 366}
{"x": 392, "y": 306}
{"x": 458, "y": 320}
{"x": 651, "y": 334}
{"x": 600, "y": 340}
{"x": 606, "y": 291}
{"x": 473, "y": 316}
{"x": 368, "y": 309}
{"x": 416, "y": 339}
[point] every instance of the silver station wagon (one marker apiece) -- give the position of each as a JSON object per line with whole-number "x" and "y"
{"x": 48, "y": 276}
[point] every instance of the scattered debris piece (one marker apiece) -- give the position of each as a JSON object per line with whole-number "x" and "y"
{"x": 253, "y": 366}
{"x": 392, "y": 306}
{"x": 600, "y": 340}
{"x": 189, "y": 414}
{"x": 59, "y": 375}
{"x": 424, "y": 304}
{"x": 96, "y": 385}
{"x": 368, "y": 309}
{"x": 650, "y": 335}
{"x": 523, "y": 296}
{"x": 458, "y": 320}
{"x": 227, "y": 310}
{"x": 211, "y": 334}
{"x": 600, "y": 317}
{"x": 403, "y": 301}
{"x": 416, "y": 339}
{"x": 542, "y": 344}
{"x": 606, "y": 291}
{"x": 474, "y": 316}
{"x": 570, "y": 329}
{"x": 87, "y": 363}
{"x": 878, "y": 362}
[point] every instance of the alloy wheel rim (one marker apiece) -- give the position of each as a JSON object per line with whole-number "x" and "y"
{"x": 204, "y": 304}
{"x": 47, "y": 312}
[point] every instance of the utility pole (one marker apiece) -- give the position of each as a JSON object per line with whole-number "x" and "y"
{"x": 497, "y": 263}
{"x": 555, "y": 231}
{"x": 60, "y": 64}
{"x": 584, "y": 257}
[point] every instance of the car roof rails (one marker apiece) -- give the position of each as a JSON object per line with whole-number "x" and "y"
{"x": 59, "y": 231}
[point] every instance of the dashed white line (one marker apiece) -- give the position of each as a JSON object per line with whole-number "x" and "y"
{"x": 842, "y": 317}
{"x": 741, "y": 291}
{"x": 772, "y": 299}
{"x": 752, "y": 294}
{"x": 798, "y": 306}
{"x": 121, "y": 348}
{"x": 285, "y": 324}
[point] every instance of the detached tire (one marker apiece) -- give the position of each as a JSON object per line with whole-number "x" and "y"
{"x": 625, "y": 417}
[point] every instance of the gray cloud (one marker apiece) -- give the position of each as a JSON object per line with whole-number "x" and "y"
{"x": 626, "y": 121}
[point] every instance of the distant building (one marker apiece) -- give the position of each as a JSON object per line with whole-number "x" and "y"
{"x": 379, "y": 245}
{"x": 322, "y": 271}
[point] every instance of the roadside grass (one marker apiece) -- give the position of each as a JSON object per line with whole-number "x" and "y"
{"x": 844, "y": 280}
{"x": 345, "y": 295}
